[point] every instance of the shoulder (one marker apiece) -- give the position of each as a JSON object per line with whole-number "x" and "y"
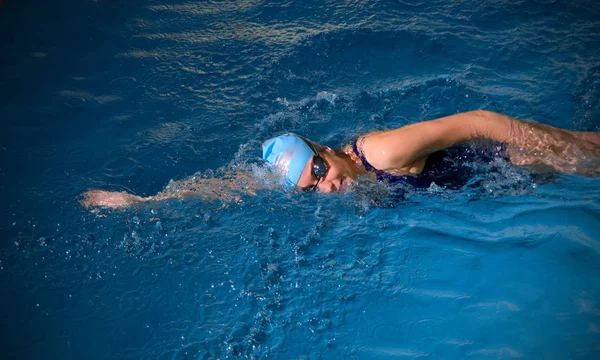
{"x": 385, "y": 149}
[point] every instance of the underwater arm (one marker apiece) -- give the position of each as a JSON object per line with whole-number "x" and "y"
{"x": 110, "y": 199}
{"x": 534, "y": 144}
{"x": 194, "y": 187}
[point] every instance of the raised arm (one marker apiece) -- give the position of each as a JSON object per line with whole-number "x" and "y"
{"x": 531, "y": 143}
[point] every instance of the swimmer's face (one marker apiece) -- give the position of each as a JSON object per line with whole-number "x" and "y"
{"x": 339, "y": 173}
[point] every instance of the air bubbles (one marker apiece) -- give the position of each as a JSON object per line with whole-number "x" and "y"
{"x": 98, "y": 275}
{"x": 326, "y": 96}
{"x": 434, "y": 188}
{"x": 42, "y": 241}
{"x": 283, "y": 101}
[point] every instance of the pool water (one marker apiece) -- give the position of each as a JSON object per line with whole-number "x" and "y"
{"x": 122, "y": 95}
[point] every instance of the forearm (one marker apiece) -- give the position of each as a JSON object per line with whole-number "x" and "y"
{"x": 505, "y": 129}
{"x": 225, "y": 189}
{"x": 209, "y": 189}
{"x": 534, "y": 143}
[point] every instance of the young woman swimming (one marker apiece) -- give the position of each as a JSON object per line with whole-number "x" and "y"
{"x": 416, "y": 154}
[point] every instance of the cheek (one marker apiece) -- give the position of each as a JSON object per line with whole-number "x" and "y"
{"x": 338, "y": 171}
{"x": 338, "y": 168}
{"x": 334, "y": 173}
{"x": 345, "y": 172}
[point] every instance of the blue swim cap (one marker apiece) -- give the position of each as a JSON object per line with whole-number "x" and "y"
{"x": 289, "y": 153}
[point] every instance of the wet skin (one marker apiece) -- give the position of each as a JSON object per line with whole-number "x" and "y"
{"x": 343, "y": 168}
{"x": 404, "y": 151}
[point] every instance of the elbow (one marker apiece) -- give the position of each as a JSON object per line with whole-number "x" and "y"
{"x": 484, "y": 114}
{"x": 483, "y": 124}
{"x": 479, "y": 123}
{"x": 494, "y": 126}
{"x": 490, "y": 116}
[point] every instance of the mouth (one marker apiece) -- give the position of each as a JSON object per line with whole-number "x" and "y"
{"x": 341, "y": 187}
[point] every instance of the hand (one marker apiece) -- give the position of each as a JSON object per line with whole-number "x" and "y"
{"x": 109, "y": 199}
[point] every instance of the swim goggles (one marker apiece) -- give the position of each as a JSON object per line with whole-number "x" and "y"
{"x": 319, "y": 167}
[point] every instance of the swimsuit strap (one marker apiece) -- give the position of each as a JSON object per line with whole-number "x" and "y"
{"x": 357, "y": 147}
{"x": 382, "y": 175}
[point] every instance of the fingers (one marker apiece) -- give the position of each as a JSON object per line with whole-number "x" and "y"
{"x": 101, "y": 198}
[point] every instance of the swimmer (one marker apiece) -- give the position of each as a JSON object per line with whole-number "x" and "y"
{"x": 415, "y": 154}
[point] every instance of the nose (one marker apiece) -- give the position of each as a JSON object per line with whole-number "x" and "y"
{"x": 326, "y": 187}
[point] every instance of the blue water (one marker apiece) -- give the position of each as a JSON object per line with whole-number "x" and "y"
{"x": 123, "y": 95}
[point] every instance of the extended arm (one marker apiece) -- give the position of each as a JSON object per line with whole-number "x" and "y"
{"x": 226, "y": 189}
{"x": 530, "y": 142}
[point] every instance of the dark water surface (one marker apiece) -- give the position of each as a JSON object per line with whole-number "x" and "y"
{"x": 126, "y": 95}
